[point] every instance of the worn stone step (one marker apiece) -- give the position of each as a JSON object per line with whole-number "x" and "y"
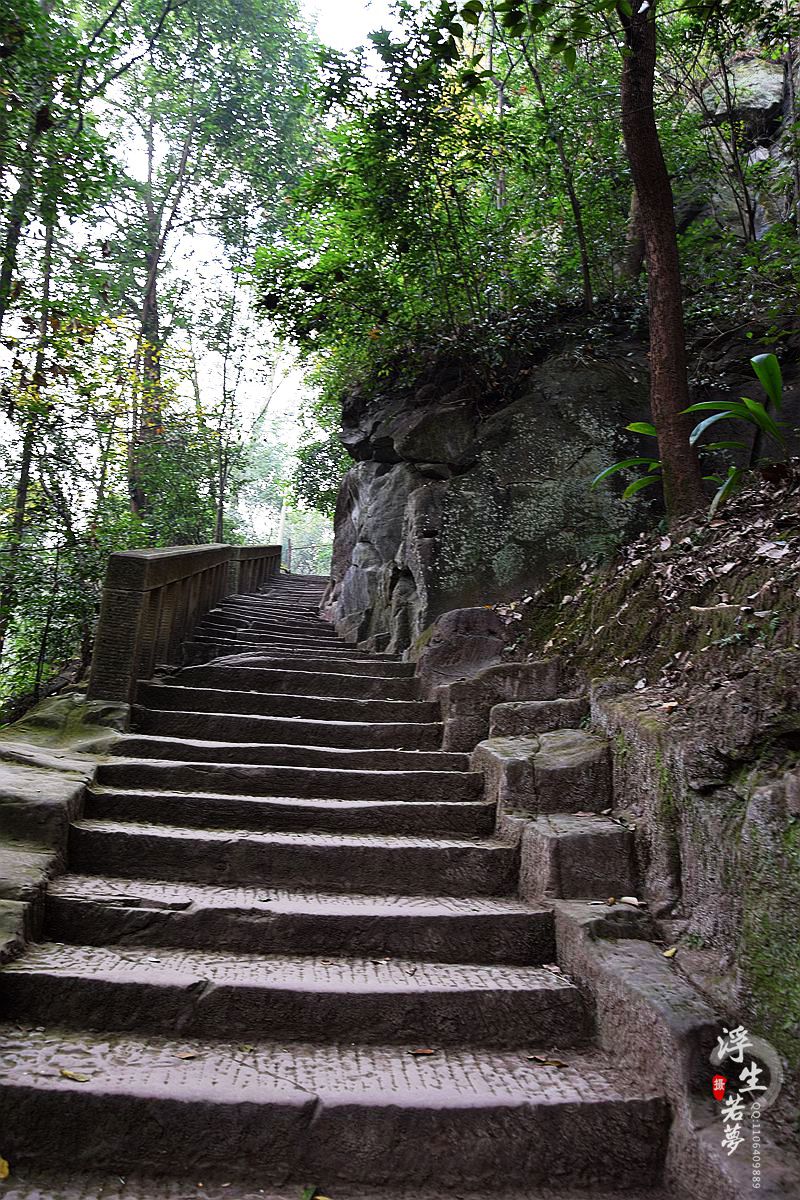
{"x": 335, "y": 862}
{"x": 289, "y": 730}
{"x": 294, "y": 617}
{"x": 277, "y": 920}
{"x": 352, "y": 664}
{"x": 199, "y": 994}
{"x": 277, "y": 704}
{"x": 270, "y": 624}
{"x": 194, "y": 750}
{"x": 234, "y": 645}
{"x": 209, "y": 811}
{"x": 258, "y": 637}
{"x": 249, "y": 779}
{"x": 298, "y": 683}
{"x": 51, "y": 1185}
{"x": 342, "y": 1113}
{"x": 271, "y": 608}
{"x": 577, "y": 856}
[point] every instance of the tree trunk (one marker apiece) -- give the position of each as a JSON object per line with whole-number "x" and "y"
{"x": 18, "y": 210}
{"x": 669, "y": 384}
{"x": 569, "y": 183}
{"x": 8, "y": 587}
{"x": 633, "y": 262}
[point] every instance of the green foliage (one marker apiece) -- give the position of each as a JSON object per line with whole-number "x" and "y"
{"x": 138, "y": 140}
{"x": 752, "y": 412}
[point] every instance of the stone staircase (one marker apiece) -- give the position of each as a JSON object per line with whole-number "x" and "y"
{"x": 289, "y": 950}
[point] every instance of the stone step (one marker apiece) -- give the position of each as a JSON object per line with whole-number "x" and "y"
{"x": 342, "y": 1113}
{"x": 258, "y": 637}
{"x": 233, "y": 645}
{"x": 271, "y": 608}
{"x": 270, "y": 624}
{"x": 316, "y": 664}
{"x": 298, "y": 683}
{"x": 277, "y": 704}
{"x": 335, "y": 862}
{"x": 249, "y": 779}
{"x": 51, "y": 1185}
{"x": 295, "y": 621}
{"x": 149, "y": 746}
{"x": 289, "y": 730}
{"x": 270, "y": 920}
{"x": 577, "y": 856}
{"x": 200, "y": 994}
{"x": 209, "y": 811}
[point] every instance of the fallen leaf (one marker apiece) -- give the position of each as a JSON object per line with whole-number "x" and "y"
{"x": 773, "y": 550}
{"x": 673, "y": 950}
{"x": 665, "y": 543}
{"x": 75, "y": 1076}
{"x": 422, "y": 1052}
{"x": 634, "y": 903}
{"x": 5, "y": 1169}
{"x": 186, "y": 1054}
{"x": 611, "y": 900}
{"x": 546, "y": 1062}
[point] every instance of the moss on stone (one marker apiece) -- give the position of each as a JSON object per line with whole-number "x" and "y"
{"x": 769, "y": 953}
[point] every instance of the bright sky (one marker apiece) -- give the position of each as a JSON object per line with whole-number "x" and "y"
{"x": 346, "y": 23}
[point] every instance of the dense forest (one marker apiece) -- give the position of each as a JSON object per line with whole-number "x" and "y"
{"x": 194, "y": 190}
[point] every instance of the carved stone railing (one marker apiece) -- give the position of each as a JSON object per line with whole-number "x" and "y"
{"x": 152, "y": 601}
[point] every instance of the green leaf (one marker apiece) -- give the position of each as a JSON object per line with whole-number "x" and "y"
{"x": 700, "y": 429}
{"x": 762, "y": 418}
{"x": 714, "y": 406}
{"x": 729, "y": 486}
{"x": 768, "y": 370}
{"x": 620, "y": 466}
{"x": 638, "y": 484}
{"x": 643, "y": 427}
{"x": 730, "y": 445}
{"x": 570, "y": 57}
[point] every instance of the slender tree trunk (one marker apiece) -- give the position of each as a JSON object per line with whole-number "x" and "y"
{"x": 633, "y": 262}
{"x": 791, "y": 62}
{"x": 150, "y": 408}
{"x": 569, "y": 179}
{"x": 747, "y": 209}
{"x": 18, "y": 211}
{"x": 669, "y": 384}
{"x": 8, "y": 587}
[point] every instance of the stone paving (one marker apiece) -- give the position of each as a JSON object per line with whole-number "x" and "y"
{"x": 289, "y": 951}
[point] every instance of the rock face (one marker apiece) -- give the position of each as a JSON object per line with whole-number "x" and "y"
{"x": 753, "y": 99}
{"x": 451, "y": 505}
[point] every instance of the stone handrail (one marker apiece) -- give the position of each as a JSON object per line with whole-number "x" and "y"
{"x": 153, "y": 599}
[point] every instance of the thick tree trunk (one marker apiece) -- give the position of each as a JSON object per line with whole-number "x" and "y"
{"x": 669, "y": 385}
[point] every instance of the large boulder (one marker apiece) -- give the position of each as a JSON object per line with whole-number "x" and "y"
{"x": 455, "y": 504}
{"x": 459, "y": 645}
{"x": 751, "y": 93}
